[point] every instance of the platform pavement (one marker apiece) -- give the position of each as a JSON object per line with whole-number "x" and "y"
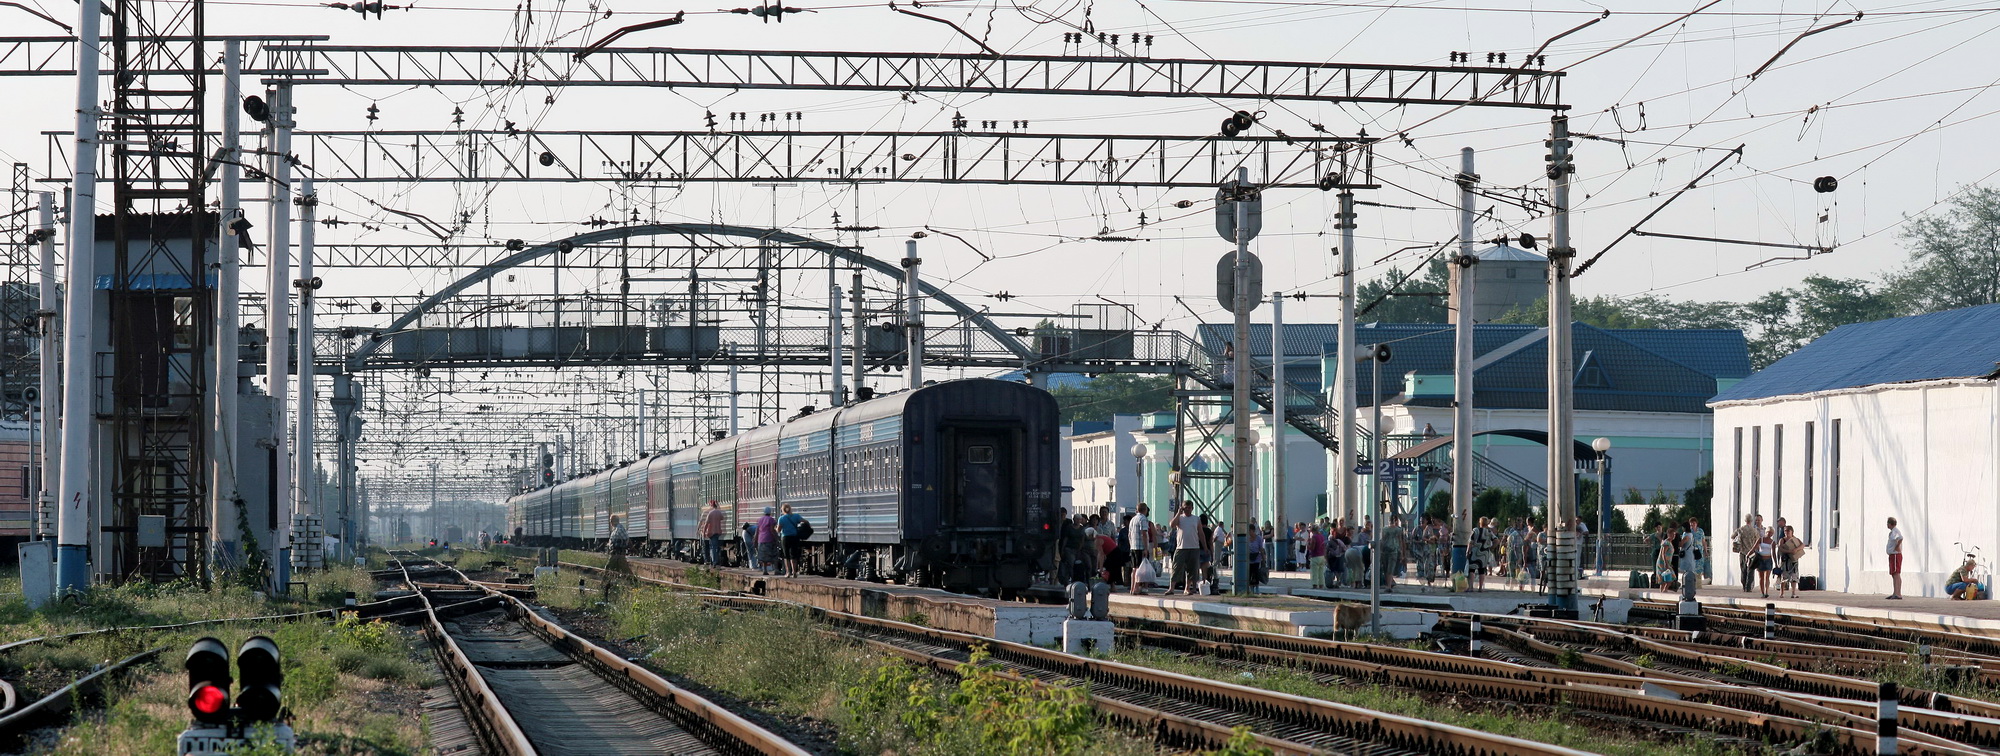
{"x": 1981, "y": 617}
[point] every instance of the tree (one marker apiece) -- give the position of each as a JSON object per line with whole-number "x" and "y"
{"x": 1114, "y": 394}
{"x": 1954, "y": 256}
{"x": 1399, "y": 304}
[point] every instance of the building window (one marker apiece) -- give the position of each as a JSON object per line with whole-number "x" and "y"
{"x": 1756, "y": 469}
{"x": 1833, "y": 486}
{"x": 1806, "y": 495}
{"x": 1591, "y": 374}
{"x": 1513, "y": 272}
{"x": 1777, "y": 474}
{"x": 1736, "y": 491}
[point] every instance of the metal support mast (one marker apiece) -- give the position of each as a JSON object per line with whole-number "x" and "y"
{"x": 1562, "y": 434}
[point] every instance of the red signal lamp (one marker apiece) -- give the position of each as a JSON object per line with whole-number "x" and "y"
{"x": 209, "y": 703}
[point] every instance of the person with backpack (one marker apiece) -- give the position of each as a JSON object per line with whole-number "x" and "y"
{"x": 790, "y": 531}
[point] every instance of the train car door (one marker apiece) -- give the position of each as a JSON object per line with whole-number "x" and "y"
{"x": 986, "y": 477}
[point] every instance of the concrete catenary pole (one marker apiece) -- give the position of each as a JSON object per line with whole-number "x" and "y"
{"x": 1278, "y": 514}
{"x": 1461, "y": 385}
{"x": 1241, "y": 464}
{"x": 860, "y": 336}
{"x": 913, "y": 322}
{"x": 73, "y": 525}
{"x": 222, "y": 510}
{"x": 1344, "y": 344}
{"x": 836, "y": 392}
{"x": 305, "y": 473}
{"x": 277, "y": 322}
{"x": 1562, "y": 434}
{"x": 50, "y": 400}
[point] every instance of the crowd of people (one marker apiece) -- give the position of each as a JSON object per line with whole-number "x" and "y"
{"x": 1140, "y": 552}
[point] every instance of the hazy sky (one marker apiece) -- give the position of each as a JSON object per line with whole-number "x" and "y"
{"x": 1893, "y": 105}
{"x": 1898, "y": 106}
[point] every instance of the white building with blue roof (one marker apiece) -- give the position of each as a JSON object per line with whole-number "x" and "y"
{"x": 1895, "y": 418}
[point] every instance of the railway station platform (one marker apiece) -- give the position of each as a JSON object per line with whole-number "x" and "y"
{"x": 1979, "y": 617}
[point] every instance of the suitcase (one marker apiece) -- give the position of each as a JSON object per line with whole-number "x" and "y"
{"x": 1808, "y": 583}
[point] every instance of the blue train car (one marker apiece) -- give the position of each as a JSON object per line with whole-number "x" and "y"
{"x": 953, "y": 484}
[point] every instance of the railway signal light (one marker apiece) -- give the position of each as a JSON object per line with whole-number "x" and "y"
{"x": 207, "y": 666}
{"x": 260, "y": 689}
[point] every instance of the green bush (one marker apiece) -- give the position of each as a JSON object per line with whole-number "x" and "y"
{"x": 900, "y": 709}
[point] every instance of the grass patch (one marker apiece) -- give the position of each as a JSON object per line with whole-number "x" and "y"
{"x": 335, "y": 711}
{"x": 779, "y": 660}
{"x": 1544, "y": 728}
{"x": 351, "y": 685}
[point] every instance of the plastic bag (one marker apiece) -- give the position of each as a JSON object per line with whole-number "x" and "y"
{"x": 1145, "y": 574}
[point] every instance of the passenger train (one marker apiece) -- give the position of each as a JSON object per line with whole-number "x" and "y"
{"x": 952, "y": 484}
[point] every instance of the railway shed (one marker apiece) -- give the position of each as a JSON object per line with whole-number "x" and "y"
{"x": 1893, "y": 418}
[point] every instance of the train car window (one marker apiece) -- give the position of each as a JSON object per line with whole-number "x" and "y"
{"x": 979, "y": 455}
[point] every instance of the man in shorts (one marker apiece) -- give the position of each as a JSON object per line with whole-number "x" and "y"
{"x": 1895, "y": 548}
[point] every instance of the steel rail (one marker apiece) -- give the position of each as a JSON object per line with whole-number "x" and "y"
{"x": 496, "y": 728}
{"x": 1634, "y": 692}
{"x": 711, "y": 722}
{"x": 18, "y": 722}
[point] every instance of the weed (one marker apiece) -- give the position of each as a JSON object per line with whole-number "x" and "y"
{"x": 1241, "y": 743}
{"x": 1644, "y": 661}
{"x": 1569, "y": 659}
{"x": 919, "y": 619}
{"x": 701, "y": 576}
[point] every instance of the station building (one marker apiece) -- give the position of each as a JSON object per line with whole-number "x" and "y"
{"x": 1894, "y": 418}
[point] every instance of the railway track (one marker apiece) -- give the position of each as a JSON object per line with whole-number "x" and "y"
{"x": 1673, "y": 659}
{"x": 529, "y": 686}
{"x": 1676, "y": 693}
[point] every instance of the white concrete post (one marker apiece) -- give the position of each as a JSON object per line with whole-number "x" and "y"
{"x": 73, "y": 526}
{"x": 50, "y": 401}
{"x": 277, "y": 325}
{"x": 1461, "y": 412}
{"x": 222, "y": 516}
{"x": 914, "y": 320}
{"x": 1344, "y": 338}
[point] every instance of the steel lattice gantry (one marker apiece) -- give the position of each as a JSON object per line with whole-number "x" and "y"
{"x": 355, "y": 65}
{"x": 950, "y": 157}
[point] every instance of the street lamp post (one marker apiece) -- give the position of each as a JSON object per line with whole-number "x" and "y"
{"x": 1139, "y": 452}
{"x": 1603, "y": 447}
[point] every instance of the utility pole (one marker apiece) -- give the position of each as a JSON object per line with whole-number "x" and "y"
{"x": 277, "y": 322}
{"x": 834, "y": 332}
{"x": 860, "y": 335}
{"x": 1562, "y": 433}
{"x": 308, "y": 203}
{"x": 1344, "y": 339}
{"x": 1461, "y": 386}
{"x": 1376, "y": 355}
{"x": 79, "y": 383}
{"x": 1239, "y": 400}
{"x": 223, "y": 525}
{"x": 1278, "y": 512}
{"x": 50, "y": 401}
{"x": 913, "y": 322}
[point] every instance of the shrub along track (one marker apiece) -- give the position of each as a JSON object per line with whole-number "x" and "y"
{"x": 529, "y": 686}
